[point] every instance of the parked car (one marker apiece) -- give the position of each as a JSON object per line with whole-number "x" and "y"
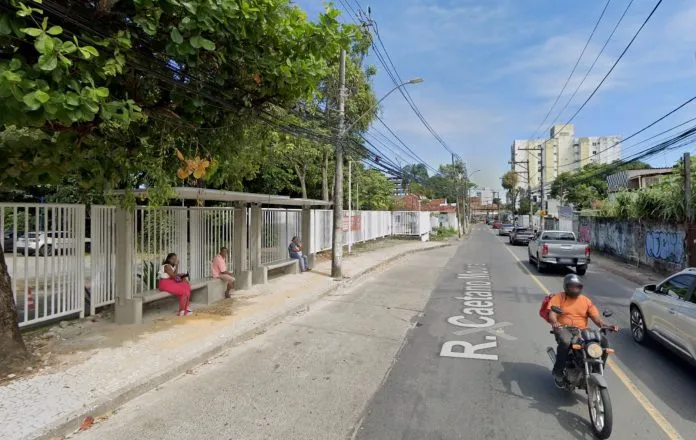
{"x": 521, "y": 235}
{"x": 497, "y": 224}
{"x": 666, "y": 312}
{"x": 44, "y": 243}
{"x": 505, "y": 229}
{"x": 558, "y": 248}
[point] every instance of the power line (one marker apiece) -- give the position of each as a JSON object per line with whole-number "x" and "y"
{"x": 572, "y": 72}
{"x": 594, "y": 62}
{"x": 628, "y": 46}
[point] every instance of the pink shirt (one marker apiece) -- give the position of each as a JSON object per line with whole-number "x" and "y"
{"x": 218, "y": 266}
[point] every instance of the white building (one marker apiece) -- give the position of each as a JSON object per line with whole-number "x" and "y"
{"x": 487, "y": 195}
{"x": 562, "y": 152}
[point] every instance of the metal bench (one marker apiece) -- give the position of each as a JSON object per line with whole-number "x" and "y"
{"x": 205, "y": 291}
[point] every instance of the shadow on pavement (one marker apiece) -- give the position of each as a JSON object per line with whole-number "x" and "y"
{"x": 536, "y": 386}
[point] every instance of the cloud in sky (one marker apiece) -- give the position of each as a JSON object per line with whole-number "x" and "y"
{"x": 492, "y": 70}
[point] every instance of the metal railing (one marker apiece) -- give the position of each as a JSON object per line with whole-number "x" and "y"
{"x": 44, "y": 247}
{"x": 322, "y": 230}
{"x": 278, "y": 227}
{"x": 210, "y": 230}
{"x": 103, "y": 256}
{"x": 156, "y": 233}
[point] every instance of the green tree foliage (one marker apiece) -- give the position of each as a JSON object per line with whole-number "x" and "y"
{"x": 589, "y": 183}
{"x": 510, "y": 181}
{"x": 81, "y": 88}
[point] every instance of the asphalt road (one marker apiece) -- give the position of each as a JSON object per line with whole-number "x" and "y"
{"x": 382, "y": 361}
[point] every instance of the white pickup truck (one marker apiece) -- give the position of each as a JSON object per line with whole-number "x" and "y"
{"x": 558, "y": 248}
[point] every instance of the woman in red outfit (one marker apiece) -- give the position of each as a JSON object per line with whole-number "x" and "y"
{"x": 175, "y": 283}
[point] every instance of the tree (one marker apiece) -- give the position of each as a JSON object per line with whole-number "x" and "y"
{"x": 110, "y": 93}
{"x": 589, "y": 183}
{"x": 510, "y": 181}
{"x": 416, "y": 173}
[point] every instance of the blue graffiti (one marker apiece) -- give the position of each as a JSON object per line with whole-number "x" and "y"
{"x": 665, "y": 246}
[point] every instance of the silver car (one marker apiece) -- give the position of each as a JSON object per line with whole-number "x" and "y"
{"x": 667, "y": 313}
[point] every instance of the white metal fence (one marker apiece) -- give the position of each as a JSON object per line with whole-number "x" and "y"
{"x": 210, "y": 230}
{"x": 102, "y": 256}
{"x": 158, "y": 232}
{"x": 44, "y": 247}
{"x": 367, "y": 225}
{"x": 278, "y": 227}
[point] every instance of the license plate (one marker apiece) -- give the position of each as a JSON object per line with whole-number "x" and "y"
{"x": 565, "y": 261}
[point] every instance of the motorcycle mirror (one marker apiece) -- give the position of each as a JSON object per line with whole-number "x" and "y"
{"x": 607, "y": 313}
{"x": 556, "y": 309}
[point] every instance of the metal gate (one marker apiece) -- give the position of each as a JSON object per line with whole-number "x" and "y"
{"x": 44, "y": 248}
{"x": 103, "y": 256}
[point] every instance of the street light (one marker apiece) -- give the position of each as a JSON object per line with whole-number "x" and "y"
{"x": 416, "y": 80}
{"x": 337, "y": 246}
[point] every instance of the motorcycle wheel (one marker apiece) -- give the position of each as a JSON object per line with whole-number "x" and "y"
{"x": 601, "y": 416}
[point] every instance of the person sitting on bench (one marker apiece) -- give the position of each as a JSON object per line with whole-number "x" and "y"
{"x": 218, "y": 269}
{"x": 175, "y": 283}
{"x": 295, "y": 250}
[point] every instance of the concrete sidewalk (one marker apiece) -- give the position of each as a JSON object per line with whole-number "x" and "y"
{"x": 126, "y": 361}
{"x": 639, "y": 275}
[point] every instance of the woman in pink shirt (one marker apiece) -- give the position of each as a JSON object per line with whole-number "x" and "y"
{"x": 218, "y": 270}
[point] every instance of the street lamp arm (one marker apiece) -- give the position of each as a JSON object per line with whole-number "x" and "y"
{"x": 411, "y": 81}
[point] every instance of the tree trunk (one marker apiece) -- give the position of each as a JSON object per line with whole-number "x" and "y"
{"x": 325, "y": 177}
{"x": 302, "y": 175}
{"x": 14, "y": 352}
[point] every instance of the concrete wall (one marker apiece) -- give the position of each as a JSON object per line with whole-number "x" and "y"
{"x": 660, "y": 246}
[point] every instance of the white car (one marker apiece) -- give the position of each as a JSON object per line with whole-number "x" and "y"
{"x": 666, "y": 312}
{"x": 45, "y": 243}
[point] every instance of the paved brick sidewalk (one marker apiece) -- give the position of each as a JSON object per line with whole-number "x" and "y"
{"x": 120, "y": 367}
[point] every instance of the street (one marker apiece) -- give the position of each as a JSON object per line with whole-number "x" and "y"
{"x": 385, "y": 359}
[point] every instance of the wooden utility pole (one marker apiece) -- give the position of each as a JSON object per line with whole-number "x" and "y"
{"x": 337, "y": 245}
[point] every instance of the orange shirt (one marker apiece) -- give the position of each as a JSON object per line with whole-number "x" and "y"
{"x": 575, "y": 310}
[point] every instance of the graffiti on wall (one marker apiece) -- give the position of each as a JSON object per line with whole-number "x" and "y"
{"x": 585, "y": 234}
{"x": 665, "y": 246}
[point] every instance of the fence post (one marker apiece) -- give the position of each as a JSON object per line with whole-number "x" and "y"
{"x": 128, "y": 309}
{"x": 259, "y": 273}
{"x": 239, "y": 248}
{"x": 307, "y": 235}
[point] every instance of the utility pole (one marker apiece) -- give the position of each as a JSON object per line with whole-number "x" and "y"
{"x": 350, "y": 205}
{"x": 687, "y": 187}
{"x": 337, "y": 245}
{"x": 540, "y": 149}
{"x": 529, "y": 186}
{"x": 467, "y": 204}
{"x": 456, "y": 198}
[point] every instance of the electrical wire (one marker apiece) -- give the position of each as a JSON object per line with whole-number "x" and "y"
{"x": 572, "y": 72}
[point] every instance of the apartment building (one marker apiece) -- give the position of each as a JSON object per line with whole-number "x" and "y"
{"x": 560, "y": 153}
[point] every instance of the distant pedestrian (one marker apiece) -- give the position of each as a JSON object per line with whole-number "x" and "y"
{"x": 175, "y": 283}
{"x": 295, "y": 250}
{"x": 218, "y": 270}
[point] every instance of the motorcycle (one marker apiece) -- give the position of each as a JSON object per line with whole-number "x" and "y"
{"x": 585, "y": 370}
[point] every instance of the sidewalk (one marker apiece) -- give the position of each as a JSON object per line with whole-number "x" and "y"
{"x": 98, "y": 366}
{"x": 639, "y": 275}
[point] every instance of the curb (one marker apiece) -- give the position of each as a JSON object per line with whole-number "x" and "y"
{"x": 120, "y": 398}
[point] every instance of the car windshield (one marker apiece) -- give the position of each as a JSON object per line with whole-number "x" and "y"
{"x": 563, "y": 236}
{"x": 522, "y": 230}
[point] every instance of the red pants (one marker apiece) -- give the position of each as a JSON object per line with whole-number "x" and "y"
{"x": 182, "y": 290}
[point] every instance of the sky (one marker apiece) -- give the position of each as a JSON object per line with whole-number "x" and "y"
{"x": 493, "y": 68}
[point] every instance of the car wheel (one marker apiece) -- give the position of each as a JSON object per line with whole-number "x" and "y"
{"x": 46, "y": 250}
{"x": 581, "y": 270}
{"x": 638, "y": 329}
{"x": 540, "y": 266}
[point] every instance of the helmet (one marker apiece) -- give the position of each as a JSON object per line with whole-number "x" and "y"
{"x": 572, "y": 285}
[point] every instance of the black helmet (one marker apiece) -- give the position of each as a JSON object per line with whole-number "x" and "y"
{"x": 570, "y": 281}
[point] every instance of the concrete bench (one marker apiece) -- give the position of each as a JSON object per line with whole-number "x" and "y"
{"x": 206, "y": 291}
{"x": 289, "y": 266}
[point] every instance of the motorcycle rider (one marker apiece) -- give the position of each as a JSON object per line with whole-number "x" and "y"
{"x": 576, "y": 309}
